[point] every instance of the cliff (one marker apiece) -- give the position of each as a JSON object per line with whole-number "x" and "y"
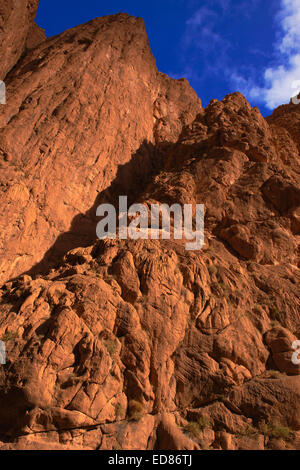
{"x": 142, "y": 344}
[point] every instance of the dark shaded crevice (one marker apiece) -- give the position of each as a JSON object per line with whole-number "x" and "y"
{"x": 131, "y": 179}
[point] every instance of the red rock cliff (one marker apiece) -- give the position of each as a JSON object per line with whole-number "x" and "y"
{"x": 142, "y": 344}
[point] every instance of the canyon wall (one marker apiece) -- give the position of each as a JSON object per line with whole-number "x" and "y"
{"x": 123, "y": 344}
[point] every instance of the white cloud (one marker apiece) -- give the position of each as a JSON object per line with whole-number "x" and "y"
{"x": 200, "y": 32}
{"x": 205, "y": 48}
{"x": 201, "y": 42}
{"x": 289, "y": 17}
{"x": 201, "y": 16}
{"x": 281, "y": 81}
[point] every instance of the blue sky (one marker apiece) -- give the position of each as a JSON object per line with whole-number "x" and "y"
{"x": 220, "y": 46}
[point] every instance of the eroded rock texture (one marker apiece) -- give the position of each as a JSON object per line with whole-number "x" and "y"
{"x": 141, "y": 344}
{"x": 16, "y": 31}
{"x": 79, "y": 106}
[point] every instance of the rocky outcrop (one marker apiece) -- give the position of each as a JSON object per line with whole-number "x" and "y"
{"x": 36, "y": 36}
{"x": 79, "y": 107}
{"x": 141, "y": 344}
{"x": 16, "y": 23}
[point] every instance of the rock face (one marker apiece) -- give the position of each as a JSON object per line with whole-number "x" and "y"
{"x": 16, "y": 24}
{"x": 141, "y": 344}
{"x": 79, "y": 107}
